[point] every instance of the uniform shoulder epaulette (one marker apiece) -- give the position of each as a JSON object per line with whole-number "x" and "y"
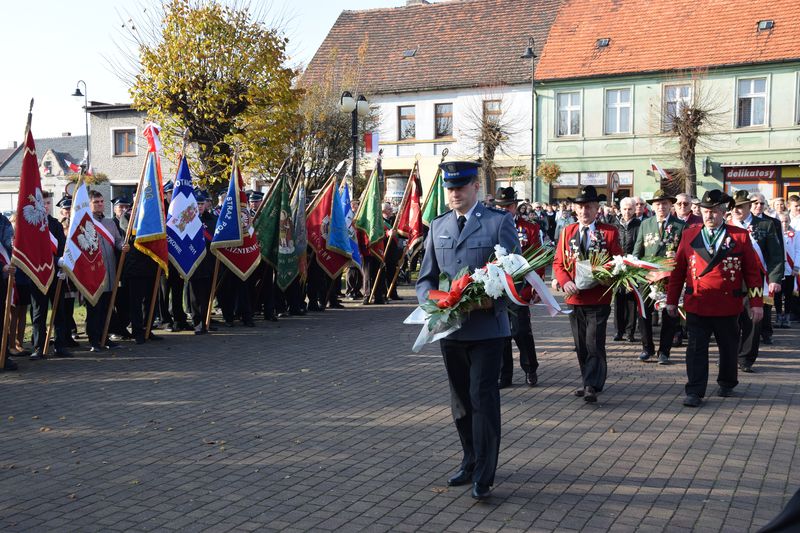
{"x": 496, "y": 209}
{"x": 443, "y": 214}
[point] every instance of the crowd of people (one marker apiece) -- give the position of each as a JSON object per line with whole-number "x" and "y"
{"x": 180, "y": 305}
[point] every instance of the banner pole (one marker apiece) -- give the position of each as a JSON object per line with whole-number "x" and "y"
{"x": 52, "y": 317}
{"x": 212, "y": 294}
{"x": 121, "y": 263}
{"x": 153, "y": 299}
{"x": 7, "y": 319}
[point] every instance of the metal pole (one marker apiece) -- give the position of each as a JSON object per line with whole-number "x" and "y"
{"x": 534, "y": 155}
{"x": 354, "y": 132}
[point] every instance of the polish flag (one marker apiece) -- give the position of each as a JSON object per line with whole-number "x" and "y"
{"x": 660, "y": 171}
{"x": 371, "y": 141}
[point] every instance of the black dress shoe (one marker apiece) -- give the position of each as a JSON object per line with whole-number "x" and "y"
{"x": 21, "y": 353}
{"x": 228, "y": 324}
{"x": 766, "y": 340}
{"x": 462, "y": 477}
{"x": 184, "y": 326}
{"x": 9, "y": 365}
{"x": 677, "y": 340}
{"x": 155, "y": 338}
{"x": 531, "y": 378}
{"x": 111, "y": 344}
{"x": 336, "y": 305}
{"x": 725, "y": 392}
{"x": 36, "y": 355}
{"x": 692, "y": 400}
{"x": 631, "y": 338}
{"x": 395, "y": 297}
{"x": 504, "y": 383}
{"x": 663, "y": 359}
{"x": 618, "y": 337}
{"x": 589, "y": 394}
{"x": 578, "y": 393}
{"x": 747, "y": 369}
{"x": 480, "y": 492}
{"x": 139, "y": 339}
{"x": 62, "y": 353}
{"x": 200, "y": 332}
{"x": 70, "y": 343}
{"x": 96, "y": 348}
{"x": 250, "y": 324}
{"x": 645, "y": 356}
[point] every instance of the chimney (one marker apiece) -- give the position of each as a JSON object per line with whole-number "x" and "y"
{"x": 66, "y": 134}
{"x": 417, "y": 2}
{"x": 12, "y": 144}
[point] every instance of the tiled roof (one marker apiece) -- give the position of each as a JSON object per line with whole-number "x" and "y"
{"x": 71, "y": 147}
{"x": 664, "y": 35}
{"x": 5, "y": 153}
{"x": 461, "y": 43}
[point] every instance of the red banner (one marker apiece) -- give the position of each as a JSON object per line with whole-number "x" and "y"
{"x": 317, "y": 226}
{"x": 409, "y": 217}
{"x": 242, "y": 260}
{"x": 32, "y": 250}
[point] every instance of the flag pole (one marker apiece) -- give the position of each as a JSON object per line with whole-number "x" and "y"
{"x": 52, "y": 317}
{"x": 152, "y": 304}
{"x": 7, "y": 319}
{"x": 271, "y": 190}
{"x": 128, "y": 231}
{"x": 212, "y": 294}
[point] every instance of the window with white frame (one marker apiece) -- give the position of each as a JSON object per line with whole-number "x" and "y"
{"x": 125, "y": 142}
{"x": 618, "y": 111}
{"x": 751, "y": 102}
{"x": 407, "y": 121}
{"x": 569, "y": 114}
{"x": 676, "y": 98}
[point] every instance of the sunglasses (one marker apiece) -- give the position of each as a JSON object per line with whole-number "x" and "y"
{"x": 683, "y": 203}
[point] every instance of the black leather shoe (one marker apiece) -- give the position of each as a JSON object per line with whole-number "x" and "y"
{"x": 111, "y": 344}
{"x": 155, "y": 338}
{"x": 578, "y": 393}
{"x": 618, "y": 337}
{"x": 504, "y": 383}
{"x": 62, "y": 353}
{"x": 677, "y": 340}
{"x": 747, "y": 369}
{"x": 725, "y": 392}
{"x": 663, "y": 359}
{"x": 36, "y": 355}
{"x": 395, "y": 297}
{"x": 228, "y": 324}
{"x": 462, "y": 477}
{"x": 692, "y": 400}
{"x": 336, "y": 305}
{"x": 250, "y": 324}
{"x": 380, "y": 301}
{"x": 71, "y": 343}
{"x": 589, "y": 394}
{"x": 480, "y": 492}
{"x": 96, "y": 348}
{"x": 531, "y": 379}
{"x": 766, "y": 340}
{"x": 9, "y": 366}
{"x": 645, "y": 356}
{"x": 631, "y": 338}
{"x": 139, "y": 339}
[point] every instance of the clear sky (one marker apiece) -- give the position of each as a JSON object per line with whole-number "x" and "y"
{"x": 48, "y": 45}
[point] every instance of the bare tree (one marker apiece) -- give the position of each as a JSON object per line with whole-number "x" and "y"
{"x": 489, "y": 128}
{"x": 691, "y": 119}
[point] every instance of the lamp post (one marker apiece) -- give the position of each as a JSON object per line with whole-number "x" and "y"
{"x": 357, "y": 107}
{"x": 78, "y": 94}
{"x": 530, "y": 54}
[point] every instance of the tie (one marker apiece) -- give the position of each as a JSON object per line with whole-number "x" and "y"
{"x": 462, "y": 221}
{"x": 585, "y": 240}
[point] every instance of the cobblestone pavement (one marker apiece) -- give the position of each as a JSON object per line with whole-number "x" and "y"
{"x": 329, "y": 422}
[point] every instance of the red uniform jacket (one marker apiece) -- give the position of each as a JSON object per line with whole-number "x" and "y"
{"x": 716, "y": 284}
{"x": 529, "y": 237}
{"x": 564, "y": 262}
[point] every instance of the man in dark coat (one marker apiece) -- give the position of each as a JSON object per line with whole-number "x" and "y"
{"x": 625, "y": 313}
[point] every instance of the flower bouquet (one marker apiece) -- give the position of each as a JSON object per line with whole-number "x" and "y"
{"x": 510, "y": 276}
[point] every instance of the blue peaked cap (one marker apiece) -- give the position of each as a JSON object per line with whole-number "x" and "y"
{"x": 458, "y": 173}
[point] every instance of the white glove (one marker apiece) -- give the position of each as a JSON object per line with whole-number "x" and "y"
{"x": 61, "y": 275}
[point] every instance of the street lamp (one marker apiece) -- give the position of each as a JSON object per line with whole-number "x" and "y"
{"x": 357, "y": 107}
{"x": 530, "y": 54}
{"x": 78, "y": 94}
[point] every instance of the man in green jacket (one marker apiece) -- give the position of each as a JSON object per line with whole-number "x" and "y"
{"x": 659, "y": 236}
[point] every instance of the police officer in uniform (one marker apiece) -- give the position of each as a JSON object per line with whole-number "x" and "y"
{"x": 120, "y": 318}
{"x": 465, "y": 237}
{"x": 172, "y": 310}
{"x": 719, "y": 266}
{"x": 520, "y": 316}
{"x": 199, "y": 284}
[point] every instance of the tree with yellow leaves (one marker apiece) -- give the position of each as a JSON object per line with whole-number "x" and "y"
{"x": 217, "y": 73}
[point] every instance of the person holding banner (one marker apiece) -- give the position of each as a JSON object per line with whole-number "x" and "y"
{"x": 590, "y": 302}
{"x": 199, "y": 283}
{"x": 719, "y": 267}
{"x": 138, "y": 277}
{"x": 769, "y": 250}
{"x": 465, "y": 237}
{"x": 6, "y": 240}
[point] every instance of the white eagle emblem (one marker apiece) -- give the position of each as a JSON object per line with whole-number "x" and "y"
{"x": 35, "y": 214}
{"x": 87, "y": 239}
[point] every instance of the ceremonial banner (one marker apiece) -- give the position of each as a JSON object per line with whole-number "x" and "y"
{"x": 300, "y": 233}
{"x": 149, "y": 230}
{"x": 267, "y": 224}
{"x": 349, "y": 215}
{"x": 234, "y": 242}
{"x": 185, "y": 237}
{"x": 287, "y": 268}
{"x": 408, "y": 222}
{"x": 32, "y": 249}
{"x": 369, "y": 217}
{"x": 318, "y": 225}
{"x": 83, "y": 259}
{"x": 436, "y": 202}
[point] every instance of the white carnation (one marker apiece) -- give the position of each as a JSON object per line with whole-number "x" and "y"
{"x": 512, "y": 263}
{"x": 499, "y": 251}
{"x": 619, "y": 265}
{"x": 493, "y": 286}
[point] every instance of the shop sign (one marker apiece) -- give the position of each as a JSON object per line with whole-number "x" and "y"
{"x": 751, "y": 173}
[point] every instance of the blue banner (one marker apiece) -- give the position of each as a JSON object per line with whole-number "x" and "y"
{"x": 185, "y": 238}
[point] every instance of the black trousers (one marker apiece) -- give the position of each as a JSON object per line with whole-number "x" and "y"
{"x": 749, "y": 337}
{"x": 354, "y": 281}
{"x": 625, "y": 315}
{"x": 96, "y": 318}
{"x": 669, "y": 326}
{"x": 521, "y": 332}
{"x": 472, "y": 369}
{"x": 172, "y": 310}
{"x": 372, "y": 266}
{"x": 588, "y": 323}
{"x": 766, "y": 322}
{"x": 199, "y": 293}
{"x": 783, "y": 300}
{"x": 234, "y": 298}
{"x": 39, "y": 305}
{"x": 700, "y": 328}
{"x": 139, "y": 292}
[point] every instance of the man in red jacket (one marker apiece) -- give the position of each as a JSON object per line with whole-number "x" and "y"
{"x": 720, "y": 268}
{"x": 591, "y": 306}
